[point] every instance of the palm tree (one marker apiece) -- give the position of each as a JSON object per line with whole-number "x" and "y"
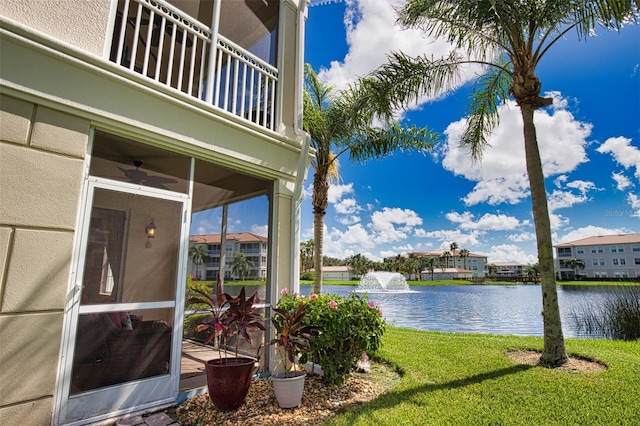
{"x": 240, "y": 266}
{"x": 345, "y": 124}
{"x": 359, "y": 264}
{"x": 493, "y": 270}
{"x": 453, "y": 247}
{"x": 574, "y": 264}
{"x": 198, "y": 253}
{"x": 431, "y": 265}
{"x": 446, "y": 255}
{"x": 464, "y": 253}
{"x": 508, "y": 39}
{"x": 306, "y": 255}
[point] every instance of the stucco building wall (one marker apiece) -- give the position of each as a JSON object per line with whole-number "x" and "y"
{"x": 42, "y": 155}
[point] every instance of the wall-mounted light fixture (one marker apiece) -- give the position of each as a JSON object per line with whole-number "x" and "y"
{"x": 150, "y": 230}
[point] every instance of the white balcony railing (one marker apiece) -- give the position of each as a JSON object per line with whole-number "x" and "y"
{"x": 158, "y": 41}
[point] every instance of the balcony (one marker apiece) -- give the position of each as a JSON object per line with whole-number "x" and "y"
{"x": 169, "y": 47}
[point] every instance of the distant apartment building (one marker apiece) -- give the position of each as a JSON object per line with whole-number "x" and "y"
{"x": 458, "y": 266}
{"x": 337, "y": 273}
{"x": 252, "y": 246}
{"x": 604, "y": 256}
{"x": 509, "y": 269}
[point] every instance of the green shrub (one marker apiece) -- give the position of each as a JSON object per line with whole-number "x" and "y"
{"x": 350, "y": 326}
{"x": 306, "y": 276}
{"x": 196, "y": 285}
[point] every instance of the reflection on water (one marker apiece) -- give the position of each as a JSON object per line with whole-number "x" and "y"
{"x": 489, "y": 309}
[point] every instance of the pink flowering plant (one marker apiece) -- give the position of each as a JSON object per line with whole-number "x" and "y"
{"x": 350, "y": 325}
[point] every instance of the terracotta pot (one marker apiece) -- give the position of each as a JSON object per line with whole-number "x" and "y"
{"x": 289, "y": 390}
{"x": 228, "y": 380}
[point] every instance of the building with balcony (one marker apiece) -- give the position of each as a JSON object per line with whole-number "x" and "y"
{"x": 508, "y": 269}
{"x": 253, "y": 247}
{"x": 465, "y": 266}
{"x": 119, "y": 119}
{"x": 603, "y": 256}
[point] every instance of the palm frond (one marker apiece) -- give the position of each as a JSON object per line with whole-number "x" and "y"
{"x": 404, "y": 80}
{"x": 380, "y": 142}
{"x": 491, "y": 89}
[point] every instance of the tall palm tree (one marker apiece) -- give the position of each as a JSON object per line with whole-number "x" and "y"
{"x": 240, "y": 265}
{"x": 431, "y": 265}
{"x": 345, "y": 123}
{"x": 446, "y": 255}
{"x": 464, "y": 254}
{"x": 198, "y": 253}
{"x": 453, "y": 247}
{"x": 493, "y": 270}
{"x": 306, "y": 255}
{"x": 508, "y": 39}
{"x": 574, "y": 264}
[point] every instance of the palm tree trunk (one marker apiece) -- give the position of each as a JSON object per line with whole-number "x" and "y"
{"x": 554, "y": 352}
{"x": 318, "y": 231}
{"x": 320, "y": 202}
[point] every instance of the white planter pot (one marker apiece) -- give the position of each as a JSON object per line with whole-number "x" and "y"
{"x": 289, "y": 390}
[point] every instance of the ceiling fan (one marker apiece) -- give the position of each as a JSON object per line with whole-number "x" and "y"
{"x": 140, "y": 177}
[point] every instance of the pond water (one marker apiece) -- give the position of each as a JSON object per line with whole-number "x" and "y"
{"x": 492, "y": 309}
{"x": 489, "y": 309}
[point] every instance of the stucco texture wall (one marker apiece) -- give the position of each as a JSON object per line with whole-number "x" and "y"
{"x": 52, "y": 17}
{"x": 42, "y": 153}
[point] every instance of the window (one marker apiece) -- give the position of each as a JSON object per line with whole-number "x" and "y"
{"x": 617, "y": 249}
{"x": 635, "y": 247}
{"x": 600, "y": 249}
{"x": 621, "y": 274}
{"x": 564, "y": 251}
{"x": 598, "y": 262}
{"x": 636, "y": 261}
{"x": 594, "y": 250}
{"x": 580, "y": 250}
{"x": 619, "y": 262}
{"x": 598, "y": 274}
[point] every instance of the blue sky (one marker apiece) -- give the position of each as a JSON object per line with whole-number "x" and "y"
{"x": 589, "y": 142}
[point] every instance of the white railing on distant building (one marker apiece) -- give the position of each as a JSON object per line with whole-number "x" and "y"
{"x": 156, "y": 40}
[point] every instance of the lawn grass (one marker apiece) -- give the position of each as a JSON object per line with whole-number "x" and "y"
{"x": 467, "y": 282}
{"x": 466, "y": 379}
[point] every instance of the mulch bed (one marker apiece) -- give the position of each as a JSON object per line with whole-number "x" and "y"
{"x": 320, "y": 403}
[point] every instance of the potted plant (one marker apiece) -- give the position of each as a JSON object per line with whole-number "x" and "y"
{"x": 292, "y": 338}
{"x": 228, "y": 377}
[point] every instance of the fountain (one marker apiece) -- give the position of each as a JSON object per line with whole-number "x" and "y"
{"x": 383, "y": 282}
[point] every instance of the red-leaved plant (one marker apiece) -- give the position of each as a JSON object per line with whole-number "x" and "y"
{"x": 227, "y": 316}
{"x": 292, "y": 336}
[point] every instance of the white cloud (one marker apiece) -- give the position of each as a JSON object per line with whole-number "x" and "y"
{"x": 558, "y": 221}
{"x": 205, "y": 226}
{"x": 589, "y": 231}
{"x": 634, "y": 202}
{"x": 559, "y": 198}
{"x": 510, "y": 253}
{"x": 356, "y": 235}
{"x": 488, "y": 221}
{"x": 445, "y": 236}
{"x": 347, "y": 206}
{"x": 502, "y": 175}
{"x": 623, "y": 152}
{"x": 373, "y": 23}
{"x": 522, "y": 237}
{"x": 348, "y": 220}
{"x": 336, "y": 192}
{"x": 262, "y": 230}
{"x": 622, "y": 182}
{"x": 393, "y": 224}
